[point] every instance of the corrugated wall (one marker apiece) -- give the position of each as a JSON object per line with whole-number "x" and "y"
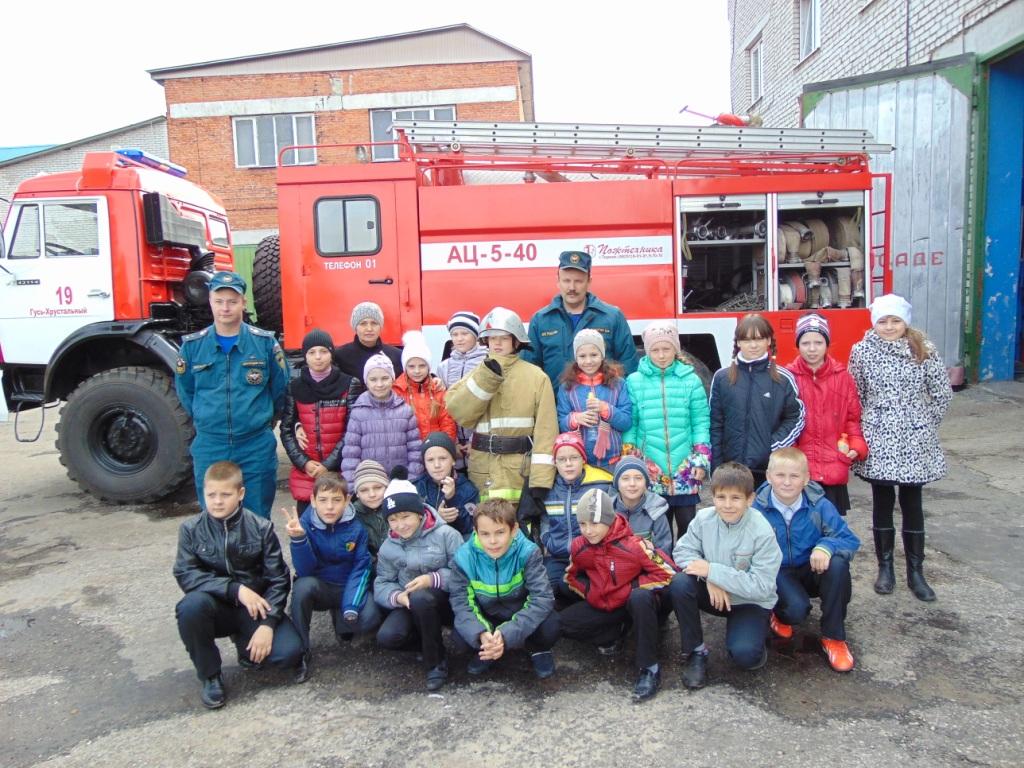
{"x": 927, "y": 118}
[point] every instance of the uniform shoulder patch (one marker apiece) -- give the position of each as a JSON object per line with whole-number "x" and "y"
{"x": 179, "y": 366}
{"x": 194, "y": 336}
{"x": 262, "y": 332}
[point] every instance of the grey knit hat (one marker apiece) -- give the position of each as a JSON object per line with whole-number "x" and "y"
{"x": 369, "y": 471}
{"x": 366, "y": 310}
{"x": 595, "y": 506}
{"x": 588, "y": 336}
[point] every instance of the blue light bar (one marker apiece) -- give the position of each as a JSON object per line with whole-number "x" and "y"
{"x": 152, "y": 161}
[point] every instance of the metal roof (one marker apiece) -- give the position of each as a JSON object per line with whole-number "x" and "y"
{"x": 45, "y": 149}
{"x": 374, "y": 52}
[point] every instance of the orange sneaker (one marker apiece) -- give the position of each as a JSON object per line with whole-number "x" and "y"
{"x": 838, "y": 652}
{"x": 784, "y": 631}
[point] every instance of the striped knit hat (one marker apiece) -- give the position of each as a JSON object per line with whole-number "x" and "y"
{"x": 813, "y": 323}
{"x": 465, "y": 319}
{"x": 369, "y": 471}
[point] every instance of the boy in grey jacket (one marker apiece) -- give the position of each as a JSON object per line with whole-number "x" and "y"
{"x": 413, "y": 572}
{"x": 729, "y": 559}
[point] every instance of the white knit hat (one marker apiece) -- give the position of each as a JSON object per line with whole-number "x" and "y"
{"x": 890, "y": 305}
{"x": 414, "y": 344}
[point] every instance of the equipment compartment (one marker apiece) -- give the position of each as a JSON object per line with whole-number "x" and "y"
{"x": 820, "y": 246}
{"x": 723, "y": 243}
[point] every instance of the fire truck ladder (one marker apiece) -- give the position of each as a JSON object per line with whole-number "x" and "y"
{"x": 574, "y": 140}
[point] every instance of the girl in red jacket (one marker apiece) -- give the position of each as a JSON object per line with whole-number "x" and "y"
{"x": 831, "y": 438}
{"x": 421, "y": 389}
{"x": 316, "y": 407}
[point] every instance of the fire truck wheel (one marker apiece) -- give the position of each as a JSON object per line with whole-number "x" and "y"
{"x": 124, "y": 436}
{"x": 266, "y": 284}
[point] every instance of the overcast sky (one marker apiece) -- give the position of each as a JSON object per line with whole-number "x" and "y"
{"x": 85, "y": 72}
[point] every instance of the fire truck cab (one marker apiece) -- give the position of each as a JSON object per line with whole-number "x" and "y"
{"x": 694, "y": 225}
{"x": 101, "y": 271}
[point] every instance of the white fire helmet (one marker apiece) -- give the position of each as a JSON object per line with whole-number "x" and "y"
{"x": 501, "y": 320}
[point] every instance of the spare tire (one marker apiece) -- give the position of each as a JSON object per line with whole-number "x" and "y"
{"x": 266, "y": 285}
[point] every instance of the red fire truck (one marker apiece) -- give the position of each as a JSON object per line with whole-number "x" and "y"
{"x": 104, "y": 269}
{"x": 695, "y": 225}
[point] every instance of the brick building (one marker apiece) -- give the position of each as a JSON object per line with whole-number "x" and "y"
{"x": 779, "y": 45}
{"x": 229, "y": 119}
{"x": 943, "y": 82}
{"x": 149, "y": 135}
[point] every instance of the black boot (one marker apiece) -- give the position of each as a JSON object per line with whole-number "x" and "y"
{"x": 913, "y": 546}
{"x": 885, "y": 543}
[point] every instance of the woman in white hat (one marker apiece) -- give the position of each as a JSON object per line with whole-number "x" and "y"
{"x": 904, "y": 390}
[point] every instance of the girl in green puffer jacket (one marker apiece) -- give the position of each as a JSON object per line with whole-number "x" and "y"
{"x": 671, "y": 422}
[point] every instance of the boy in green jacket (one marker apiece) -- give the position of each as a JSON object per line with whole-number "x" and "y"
{"x": 500, "y": 592}
{"x": 730, "y": 559}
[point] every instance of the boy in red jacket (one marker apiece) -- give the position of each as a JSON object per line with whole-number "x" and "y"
{"x": 619, "y": 578}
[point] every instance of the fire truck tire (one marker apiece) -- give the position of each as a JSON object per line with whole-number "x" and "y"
{"x": 124, "y": 437}
{"x": 266, "y": 284}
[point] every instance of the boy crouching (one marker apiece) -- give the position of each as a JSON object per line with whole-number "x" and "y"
{"x": 230, "y": 568}
{"x": 729, "y": 559}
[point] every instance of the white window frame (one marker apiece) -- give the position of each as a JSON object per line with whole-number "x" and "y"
{"x": 756, "y": 68}
{"x": 254, "y": 120}
{"x": 810, "y": 27}
{"x": 383, "y": 154}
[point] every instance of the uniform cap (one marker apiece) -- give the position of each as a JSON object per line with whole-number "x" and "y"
{"x": 231, "y": 280}
{"x": 574, "y": 260}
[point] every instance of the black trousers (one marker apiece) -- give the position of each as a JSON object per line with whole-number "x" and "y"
{"x": 796, "y": 587}
{"x": 202, "y": 618}
{"x": 746, "y": 628}
{"x": 312, "y": 594}
{"x": 429, "y": 610}
{"x": 582, "y": 621}
{"x": 883, "y": 501}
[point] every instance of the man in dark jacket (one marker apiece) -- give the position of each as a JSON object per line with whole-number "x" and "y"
{"x": 230, "y": 568}
{"x": 574, "y": 308}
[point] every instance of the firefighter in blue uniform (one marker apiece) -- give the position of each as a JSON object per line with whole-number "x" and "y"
{"x": 231, "y": 379}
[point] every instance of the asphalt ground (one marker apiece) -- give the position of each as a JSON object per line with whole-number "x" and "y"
{"x": 92, "y": 672}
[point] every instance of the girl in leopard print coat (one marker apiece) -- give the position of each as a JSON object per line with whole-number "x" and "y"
{"x": 904, "y": 390}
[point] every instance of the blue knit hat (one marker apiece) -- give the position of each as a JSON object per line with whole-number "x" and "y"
{"x": 627, "y": 463}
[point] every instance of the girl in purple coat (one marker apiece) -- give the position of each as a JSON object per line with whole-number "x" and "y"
{"x": 381, "y": 426}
